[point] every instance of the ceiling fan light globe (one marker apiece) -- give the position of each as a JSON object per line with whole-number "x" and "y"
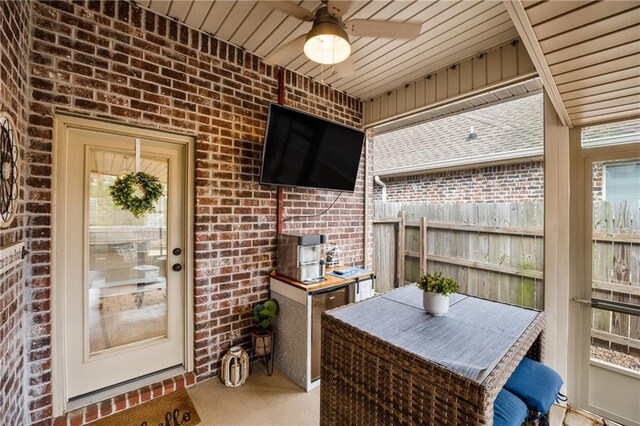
{"x": 327, "y": 43}
{"x": 327, "y": 49}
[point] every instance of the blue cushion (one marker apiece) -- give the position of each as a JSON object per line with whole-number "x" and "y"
{"x": 509, "y": 410}
{"x": 536, "y": 384}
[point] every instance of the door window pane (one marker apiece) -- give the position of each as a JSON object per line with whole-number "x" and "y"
{"x": 127, "y": 258}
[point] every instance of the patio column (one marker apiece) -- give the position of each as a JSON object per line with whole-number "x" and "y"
{"x": 557, "y": 173}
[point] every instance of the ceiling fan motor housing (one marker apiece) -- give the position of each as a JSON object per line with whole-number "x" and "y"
{"x": 327, "y": 42}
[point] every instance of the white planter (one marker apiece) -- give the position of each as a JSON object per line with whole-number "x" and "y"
{"x": 435, "y": 304}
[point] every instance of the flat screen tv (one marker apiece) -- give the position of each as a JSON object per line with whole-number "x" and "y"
{"x": 302, "y": 150}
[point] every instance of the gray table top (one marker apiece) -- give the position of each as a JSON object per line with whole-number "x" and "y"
{"x": 470, "y": 339}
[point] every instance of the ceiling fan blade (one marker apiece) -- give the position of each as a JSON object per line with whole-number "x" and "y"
{"x": 338, "y": 8}
{"x": 345, "y": 68}
{"x": 383, "y": 29}
{"x": 292, "y": 10}
{"x": 289, "y": 50}
{"x": 339, "y": 70}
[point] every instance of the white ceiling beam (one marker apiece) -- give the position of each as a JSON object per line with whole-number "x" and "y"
{"x": 518, "y": 15}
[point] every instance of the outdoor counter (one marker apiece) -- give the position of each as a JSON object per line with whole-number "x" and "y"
{"x": 330, "y": 281}
{"x": 298, "y": 343}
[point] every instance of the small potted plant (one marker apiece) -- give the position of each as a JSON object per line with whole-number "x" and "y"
{"x": 264, "y": 314}
{"x": 437, "y": 289}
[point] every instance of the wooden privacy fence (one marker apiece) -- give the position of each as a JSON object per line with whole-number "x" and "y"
{"x": 493, "y": 250}
{"x": 616, "y": 273}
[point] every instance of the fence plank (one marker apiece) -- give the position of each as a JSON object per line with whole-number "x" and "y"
{"x": 400, "y": 251}
{"x": 634, "y": 325}
{"x": 412, "y": 250}
{"x": 620, "y": 322}
{"x": 508, "y": 291}
{"x": 622, "y": 341}
{"x": 424, "y": 228}
{"x": 485, "y": 267}
{"x": 617, "y": 238}
{"x": 386, "y": 220}
{"x": 633, "y": 290}
{"x": 384, "y": 240}
{"x": 602, "y": 270}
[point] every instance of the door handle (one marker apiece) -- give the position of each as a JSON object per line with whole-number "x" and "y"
{"x": 583, "y": 301}
{"x": 177, "y": 267}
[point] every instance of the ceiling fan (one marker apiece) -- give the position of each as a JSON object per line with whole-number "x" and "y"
{"x": 328, "y": 40}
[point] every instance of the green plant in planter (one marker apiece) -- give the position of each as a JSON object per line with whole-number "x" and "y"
{"x": 436, "y": 283}
{"x": 264, "y": 314}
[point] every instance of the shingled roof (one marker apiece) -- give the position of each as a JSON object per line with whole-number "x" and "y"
{"x": 505, "y": 131}
{"x": 611, "y": 133}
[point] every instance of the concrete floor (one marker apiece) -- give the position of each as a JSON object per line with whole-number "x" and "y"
{"x": 276, "y": 400}
{"x": 262, "y": 400}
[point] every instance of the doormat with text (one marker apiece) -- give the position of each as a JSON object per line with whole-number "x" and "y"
{"x": 174, "y": 409}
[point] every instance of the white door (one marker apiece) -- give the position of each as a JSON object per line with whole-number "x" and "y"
{"x": 123, "y": 278}
{"x": 612, "y": 324}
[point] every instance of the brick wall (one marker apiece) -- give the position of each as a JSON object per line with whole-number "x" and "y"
{"x": 598, "y": 182}
{"x": 117, "y": 61}
{"x": 344, "y": 223}
{"x": 501, "y": 183}
{"x": 14, "y": 44}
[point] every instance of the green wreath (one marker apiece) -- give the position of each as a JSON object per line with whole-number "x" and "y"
{"x": 123, "y": 192}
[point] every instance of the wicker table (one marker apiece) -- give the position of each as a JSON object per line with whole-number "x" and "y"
{"x": 386, "y": 361}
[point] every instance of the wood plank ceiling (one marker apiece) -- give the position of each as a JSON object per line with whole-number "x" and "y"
{"x": 451, "y": 31}
{"x": 587, "y": 54}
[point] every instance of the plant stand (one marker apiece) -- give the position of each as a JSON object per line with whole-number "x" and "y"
{"x": 265, "y": 358}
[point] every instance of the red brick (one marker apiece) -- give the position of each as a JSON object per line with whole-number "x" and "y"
{"x": 168, "y": 386}
{"x": 145, "y": 394}
{"x": 120, "y": 402}
{"x": 106, "y": 408}
{"x": 133, "y": 398}
{"x": 60, "y": 421}
{"x": 91, "y": 413}
{"x": 157, "y": 390}
{"x": 179, "y": 382}
{"x": 76, "y": 418}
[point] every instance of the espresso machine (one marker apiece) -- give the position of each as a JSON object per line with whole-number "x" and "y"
{"x": 302, "y": 257}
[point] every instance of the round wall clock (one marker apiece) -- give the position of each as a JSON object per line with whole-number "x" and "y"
{"x": 8, "y": 171}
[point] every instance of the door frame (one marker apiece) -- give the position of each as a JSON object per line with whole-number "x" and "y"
{"x": 580, "y": 316}
{"x": 62, "y": 123}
